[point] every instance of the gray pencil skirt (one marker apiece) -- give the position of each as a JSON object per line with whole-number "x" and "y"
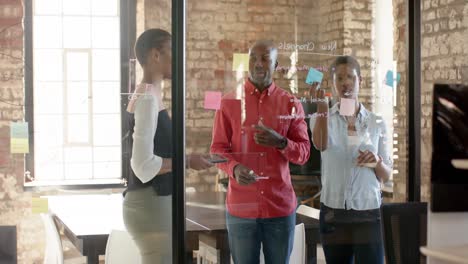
{"x": 148, "y": 219}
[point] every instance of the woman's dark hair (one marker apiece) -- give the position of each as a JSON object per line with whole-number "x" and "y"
{"x": 345, "y": 60}
{"x": 151, "y": 38}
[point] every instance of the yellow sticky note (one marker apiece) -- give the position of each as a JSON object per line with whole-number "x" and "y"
{"x": 40, "y": 205}
{"x": 19, "y": 145}
{"x": 240, "y": 62}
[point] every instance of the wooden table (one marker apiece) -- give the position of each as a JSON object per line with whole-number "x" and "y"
{"x": 452, "y": 254}
{"x": 88, "y": 219}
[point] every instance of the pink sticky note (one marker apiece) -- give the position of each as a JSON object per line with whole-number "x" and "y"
{"x": 347, "y": 107}
{"x": 213, "y": 100}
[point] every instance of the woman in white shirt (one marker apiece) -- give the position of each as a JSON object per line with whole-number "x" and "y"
{"x": 147, "y": 208}
{"x": 355, "y": 160}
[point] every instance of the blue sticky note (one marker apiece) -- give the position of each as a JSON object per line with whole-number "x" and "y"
{"x": 314, "y": 76}
{"x": 19, "y": 129}
{"x": 389, "y": 78}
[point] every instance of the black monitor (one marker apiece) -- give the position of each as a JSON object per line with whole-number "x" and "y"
{"x": 449, "y": 175}
{"x": 312, "y": 167}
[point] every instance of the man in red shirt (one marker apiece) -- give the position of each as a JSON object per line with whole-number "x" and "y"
{"x": 260, "y": 130}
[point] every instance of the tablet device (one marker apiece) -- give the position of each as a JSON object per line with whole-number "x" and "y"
{"x": 216, "y": 158}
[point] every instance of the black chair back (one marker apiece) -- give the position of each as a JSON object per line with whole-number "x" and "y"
{"x": 8, "y": 253}
{"x": 404, "y": 229}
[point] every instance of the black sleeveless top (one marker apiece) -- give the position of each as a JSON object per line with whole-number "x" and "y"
{"x": 162, "y": 141}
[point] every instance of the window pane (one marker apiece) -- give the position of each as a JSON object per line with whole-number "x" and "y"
{"x": 106, "y": 97}
{"x": 107, "y": 170}
{"x": 47, "y": 32}
{"x": 77, "y": 98}
{"x": 106, "y": 130}
{"x": 48, "y": 163}
{"x": 105, "y": 32}
{"x": 77, "y": 7}
{"x": 53, "y": 71}
{"x": 106, "y": 65}
{"x": 47, "y": 7}
{"x": 79, "y": 171}
{"x": 48, "y": 98}
{"x": 76, "y": 32}
{"x": 48, "y": 131}
{"x": 105, "y": 7}
{"x": 78, "y": 162}
{"x": 101, "y": 154}
{"x": 77, "y": 64}
{"x": 78, "y": 154}
{"x": 49, "y": 171}
{"x": 77, "y": 129}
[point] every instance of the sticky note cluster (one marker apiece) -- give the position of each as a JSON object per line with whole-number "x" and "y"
{"x": 19, "y": 139}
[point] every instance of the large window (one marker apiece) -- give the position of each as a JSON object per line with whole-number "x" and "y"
{"x": 76, "y": 86}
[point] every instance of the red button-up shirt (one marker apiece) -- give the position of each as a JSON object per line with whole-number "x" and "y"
{"x": 233, "y": 136}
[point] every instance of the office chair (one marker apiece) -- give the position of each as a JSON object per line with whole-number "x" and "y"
{"x": 54, "y": 251}
{"x": 404, "y": 230}
{"x": 8, "y": 247}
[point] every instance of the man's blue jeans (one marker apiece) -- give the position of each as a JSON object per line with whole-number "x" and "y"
{"x": 275, "y": 234}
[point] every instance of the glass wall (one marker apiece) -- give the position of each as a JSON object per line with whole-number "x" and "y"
{"x": 296, "y": 122}
{"x": 299, "y": 103}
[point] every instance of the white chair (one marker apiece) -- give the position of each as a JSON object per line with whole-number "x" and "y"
{"x": 121, "y": 249}
{"x": 206, "y": 254}
{"x": 54, "y": 251}
{"x": 298, "y": 252}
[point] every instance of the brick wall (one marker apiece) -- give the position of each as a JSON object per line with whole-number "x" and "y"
{"x": 444, "y": 54}
{"x": 15, "y": 204}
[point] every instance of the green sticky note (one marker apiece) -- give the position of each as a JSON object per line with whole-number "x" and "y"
{"x": 39, "y": 205}
{"x": 240, "y": 62}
